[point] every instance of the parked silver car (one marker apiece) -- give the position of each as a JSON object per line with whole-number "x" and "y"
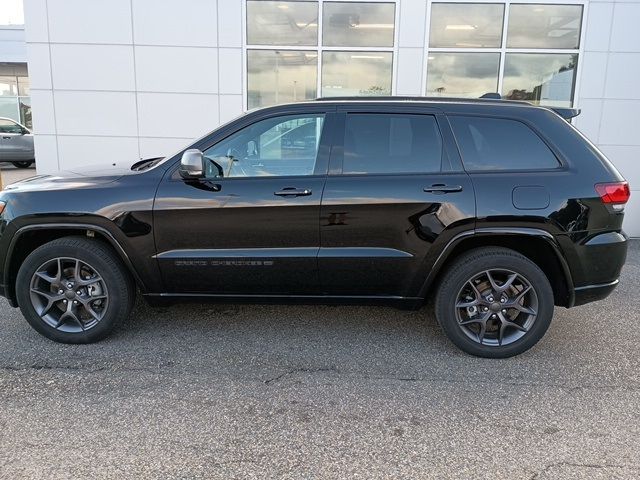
{"x": 16, "y": 144}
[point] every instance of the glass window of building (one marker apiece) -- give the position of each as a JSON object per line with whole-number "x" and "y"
{"x": 289, "y": 58}
{"x": 14, "y": 93}
{"x": 276, "y": 76}
{"x": 462, "y": 74}
{"x": 469, "y": 55}
{"x": 356, "y": 73}
{"x": 282, "y": 23}
{"x": 546, "y": 78}
{"x": 348, "y": 24}
{"x": 466, "y": 25}
{"x": 544, "y": 26}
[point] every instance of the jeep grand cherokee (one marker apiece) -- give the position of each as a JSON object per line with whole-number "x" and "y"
{"x": 498, "y": 209}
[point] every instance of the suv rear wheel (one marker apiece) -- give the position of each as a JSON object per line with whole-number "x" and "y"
{"x": 74, "y": 290}
{"x": 494, "y": 303}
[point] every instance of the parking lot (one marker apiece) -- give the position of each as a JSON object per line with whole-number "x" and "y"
{"x": 12, "y": 174}
{"x": 248, "y": 391}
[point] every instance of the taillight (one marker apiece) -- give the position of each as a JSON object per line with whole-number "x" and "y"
{"x": 614, "y": 193}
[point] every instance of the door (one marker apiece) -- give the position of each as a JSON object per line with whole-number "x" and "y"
{"x": 16, "y": 143}
{"x": 251, "y": 227}
{"x": 396, "y": 193}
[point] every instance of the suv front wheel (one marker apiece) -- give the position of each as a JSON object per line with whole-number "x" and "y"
{"x": 494, "y": 302}
{"x": 74, "y": 290}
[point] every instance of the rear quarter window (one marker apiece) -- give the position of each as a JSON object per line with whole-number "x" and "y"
{"x": 500, "y": 144}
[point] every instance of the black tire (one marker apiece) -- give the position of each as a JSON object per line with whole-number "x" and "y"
{"x": 119, "y": 288}
{"x": 23, "y": 163}
{"x": 472, "y": 265}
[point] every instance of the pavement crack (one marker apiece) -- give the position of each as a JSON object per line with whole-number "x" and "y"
{"x": 293, "y": 371}
{"x": 580, "y": 465}
{"x": 45, "y": 366}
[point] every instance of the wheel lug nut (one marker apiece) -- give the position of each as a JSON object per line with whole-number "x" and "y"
{"x": 60, "y": 292}
{"x": 493, "y": 316}
{"x": 64, "y": 301}
{"x": 504, "y": 310}
{"x": 75, "y": 302}
{"x": 79, "y": 292}
{"x": 69, "y": 285}
{"x": 490, "y": 299}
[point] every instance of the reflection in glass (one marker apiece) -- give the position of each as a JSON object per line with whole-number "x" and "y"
{"x": 466, "y": 25}
{"x": 281, "y": 146}
{"x": 9, "y": 108}
{"x": 282, "y": 23}
{"x": 544, "y": 26}
{"x": 356, "y": 73}
{"x": 541, "y": 78}
{"x": 25, "y": 112}
{"x": 8, "y": 86}
{"x": 462, "y": 74}
{"x": 280, "y": 76}
{"x": 358, "y": 24}
{"x": 24, "y": 87}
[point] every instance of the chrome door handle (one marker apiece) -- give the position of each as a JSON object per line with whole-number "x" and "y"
{"x": 293, "y": 192}
{"x": 441, "y": 188}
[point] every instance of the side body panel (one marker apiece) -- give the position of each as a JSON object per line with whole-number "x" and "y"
{"x": 238, "y": 235}
{"x": 380, "y": 233}
{"x": 562, "y": 202}
{"x": 118, "y": 207}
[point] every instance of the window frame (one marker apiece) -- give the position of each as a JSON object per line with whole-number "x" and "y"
{"x": 319, "y": 166}
{"x": 451, "y": 160}
{"x": 503, "y": 50}
{"x": 562, "y": 163}
{"x": 221, "y": 134}
{"x": 320, "y": 48}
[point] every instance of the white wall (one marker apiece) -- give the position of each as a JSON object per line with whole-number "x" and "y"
{"x": 119, "y": 80}
{"x": 115, "y": 81}
{"x": 609, "y": 91}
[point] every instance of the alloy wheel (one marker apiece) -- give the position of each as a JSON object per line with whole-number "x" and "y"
{"x": 496, "y": 307}
{"x": 69, "y": 294}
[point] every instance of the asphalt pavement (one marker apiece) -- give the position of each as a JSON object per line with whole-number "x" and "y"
{"x": 315, "y": 392}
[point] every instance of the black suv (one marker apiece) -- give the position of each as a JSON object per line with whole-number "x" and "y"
{"x": 499, "y": 209}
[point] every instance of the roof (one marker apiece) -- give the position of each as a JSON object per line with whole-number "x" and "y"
{"x": 487, "y": 99}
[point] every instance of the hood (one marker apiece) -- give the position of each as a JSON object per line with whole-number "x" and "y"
{"x": 79, "y": 178}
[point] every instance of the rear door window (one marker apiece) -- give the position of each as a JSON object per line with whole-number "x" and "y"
{"x": 391, "y": 143}
{"x": 500, "y": 144}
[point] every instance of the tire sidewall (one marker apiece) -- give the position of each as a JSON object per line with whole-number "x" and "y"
{"x": 467, "y": 268}
{"x": 112, "y": 276}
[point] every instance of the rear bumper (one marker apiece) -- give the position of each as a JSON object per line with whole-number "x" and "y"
{"x": 593, "y": 293}
{"x": 602, "y": 259}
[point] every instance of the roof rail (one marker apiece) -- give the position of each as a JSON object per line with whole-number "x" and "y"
{"x": 564, "y": 112}
{"x": 405, "y": 98}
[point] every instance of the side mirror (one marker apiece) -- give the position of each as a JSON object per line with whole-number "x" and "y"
{"x": 192, "y": 164}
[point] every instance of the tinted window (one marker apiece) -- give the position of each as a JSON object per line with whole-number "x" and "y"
{"x": 381, "y": 143}
{"x": 500, "y": 144}
{"x": 282, "y": 146}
